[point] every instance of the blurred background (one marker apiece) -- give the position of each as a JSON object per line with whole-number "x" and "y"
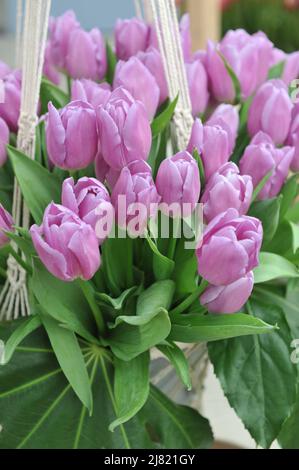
{"x": 210, "y": 19}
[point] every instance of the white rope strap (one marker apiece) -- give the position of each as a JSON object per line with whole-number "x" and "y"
{"x": 14, "y": 296}
{"x": 167, "y": 27}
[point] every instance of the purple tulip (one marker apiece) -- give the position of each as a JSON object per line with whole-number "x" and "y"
{"x": 86, "y": 57}
{"x": 153, "y": 62}
{"x": 71, "y": 135}
{"x": 131, "y": 36}
{"x": 227, "y": 189}
{"x": 135, "y": 196}
{"x": 124, "y": 130}
{"x": 198, "y": 86}
{"x": 67, "y": 246}
{"x": 50, "y": 71}
{"x": 186, "y": 38}
{"x": 88, "y": 199}
{"x": 293, "y": 138}
{"x": 261, "y": 157}
{"x": 271, "y": 111}
{"x": 290, "y": 67}
{"x": 10, "y": 109}
{"x": 4, "y": 140}
{"x": 139, "y": 81}
{"x": 60, "y": 30}
{"x": 6, "y": 225}
{"x": 178, "y": 183}
{"x": 227, "y": 117}
{"x": 248, "y": 55}
{"x": 4, "y": 69}
{"x": 216, "y": 149}
{"x": 230, "y": 298}
{"x": 230, "y": 248}
{"x": 196, "y": 138}
{"x": 91, "y": 92}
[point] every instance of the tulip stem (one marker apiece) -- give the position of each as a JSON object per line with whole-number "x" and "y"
{"x": 182, "y": 307}
{"x": 69, "y": 85}
{"x": 90, "y": 297}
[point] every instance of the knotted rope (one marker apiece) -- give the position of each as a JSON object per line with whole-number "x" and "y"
{"x": 14, "y": 296}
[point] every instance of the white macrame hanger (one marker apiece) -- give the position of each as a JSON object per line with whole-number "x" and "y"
{"x": 164, "y": 16}
{"x": 14, "y": 296}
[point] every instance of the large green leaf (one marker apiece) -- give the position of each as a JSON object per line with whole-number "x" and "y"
{"x": 164, "y": 118}
{"x": 39, "y": 409}
{"x": 289, "y": 436}
{"x": 273, "y": 266}
{"x": 26, "y": 326}
{"x": 289, "y": 192}
{"x": 257, "y": 375}
{"x": 117, "y": 264}
{"x": 69, "y": 356}
{"x": 192, "y": 328}
{"x": 162, "y": 266}
{"x": 177, "y": 358}
{"x": 133, "y": 335}
{"x": 63, "y": 301}
{"x": 38, "y": 185}
{"x": 158, "y": 295}
{"x": 130, "y": 389}
{"x": 175, "y": 426}
{"x": 50, "y": 92}
{"x": 268, "y": 212}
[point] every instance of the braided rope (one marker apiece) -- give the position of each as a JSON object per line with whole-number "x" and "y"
{"x": 14, "y": 297}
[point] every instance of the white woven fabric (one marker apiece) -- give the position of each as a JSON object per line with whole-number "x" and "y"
{"x": 14, "y": 297}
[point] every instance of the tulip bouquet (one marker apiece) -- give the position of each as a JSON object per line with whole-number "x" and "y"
{"x": 135, "y": 246}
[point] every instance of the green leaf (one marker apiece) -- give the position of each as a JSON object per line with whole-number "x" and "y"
{"x": 133, "y": 335}
{"x": 234, "y": 78}
{"x": 162, "y": 266}
{"x": 277, "y": 70}
{"x": 177, "y": 358}
{"x": 117, "y": 264}
{"x": 156, "y": 141}
{"x": 257, "y": 375}
{"x": 261, "y": 185}
{"x": 272, "y": 267}
{"x": 24, "y": 244}
{"x": 192, "y": 328}
{"x": 63, "y": 301}
{"x": 268, "y": 212}
{"x": 163, "y": 120}
{"x": 289, "y": 192}
{"x": 111, "y": 63}
{"x": 295, "y": 234}
{"x": 24, "y": 329}
{"x": 293, "y": 213}
{"x": 158, "y": 295}
{"x": 38, "y": 185}
{"x": 175, "y": 426}
{"x": 201, "y": 168}
{"x": 131, "y": 390}
{"x": 69, "y": 356}
{"x": 119, "y": 302}
{"x": 39, "y": 409}
{"x": 289, "y": 435}
{"x": 50, "y": 92}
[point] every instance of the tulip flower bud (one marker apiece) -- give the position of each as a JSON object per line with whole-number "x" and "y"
{"x": 86, "y": 57}
{"x": 4, "y": 140}
{"x": 66, "y": 245}
{"x": 124, "y": 130}
{"x": 198, "y": 86}
{"x": 6, "y": 225}
{"x": 230, "y": 248}
{"x": 261, "y": 157}
{"x": 131, "y": 36}
{"x": 227, "y": 189}
{"x": 135, "y": 198}
{"x": 91, "y": 92}
{"x": 293, "y": 138}
{"x": 186, "y": 39}
{"x": 50, "y": 71}
{"x": 227, "y": 117}
{"x": 248, "y": 55}
{"x": 178, "y": 183}
{"x": 10, "y": 109}
{"x": 139, "y": 81}
{"x": 230, "y": 298}
{"x": 71, "y": 135}
{"x": 216, "y": 149}
{"x": 271, "y": 111}
{"x": 60, "y": 30}
{"x": 4, "y": 69}
{"x": 153, "y": 62}
{"x": 85, "y": 198}
{"x": 196, "y": 138}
